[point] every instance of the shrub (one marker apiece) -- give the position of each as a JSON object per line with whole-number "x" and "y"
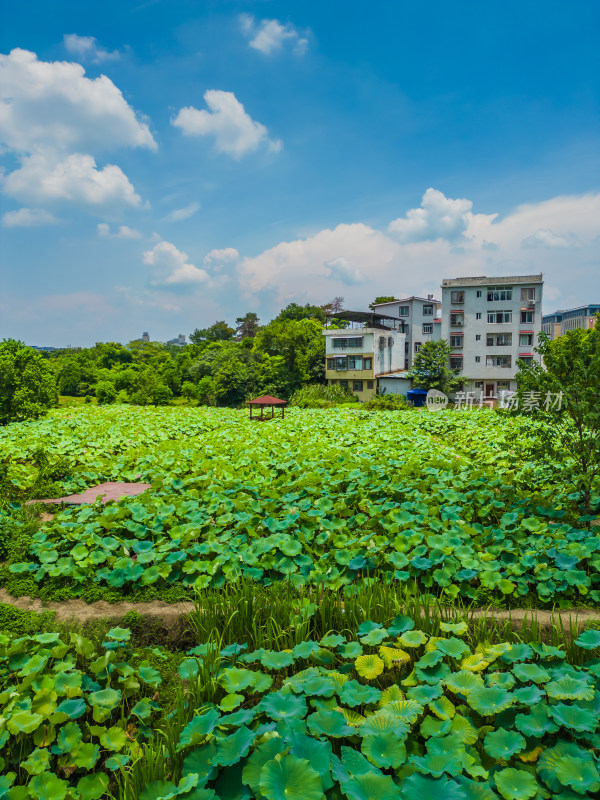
{"x": 318, "y": 395}
{"x": 387, "y": 402}
{"x": 105, "y": 392}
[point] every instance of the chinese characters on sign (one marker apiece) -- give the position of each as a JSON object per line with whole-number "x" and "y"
{"x": 529, "y": 401}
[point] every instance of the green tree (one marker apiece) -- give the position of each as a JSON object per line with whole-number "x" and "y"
{"x": 296, "y": 312}
{"x": 218, "y": 332}
{"x": 27, "y": 383}
{"x": 301, "y": 345}
{"x": 247, "y": 326}
{"x": 569, "y": 378}
{"x": 383, "y": 299}
{"x": 430, "y": 368}
{"x": 106, "y": 392}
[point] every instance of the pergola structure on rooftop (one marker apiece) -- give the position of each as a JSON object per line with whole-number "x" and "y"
{"x": 266, "y": 401}
{"x": 369, "y": 319}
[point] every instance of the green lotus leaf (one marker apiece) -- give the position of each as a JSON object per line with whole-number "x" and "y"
{"x": 103, "y": 702}
{"x": 37, "y": 761}
{"x": 491, "y": 700}
{"x": 502, "y": 679}
{"x": 458, "y": 628}
{"x": 74, "y": 708}
{"x": 234, "y": 679}
{"x": 188, "y": 669}
{"x": 515, "y": 784}
{"x": 262, "y": 754}
{"x": 569, "y": 688}
{"x": 230, "y": 701}
{"x": 199, "y": 727}
{"x": 455, "y": 648}
{"x": 47, "y": 786}
{"x": 375, "y": 637}
{"x": 349, "y": 650}
{"x": 550, "y": 758}
{"x": 432, "y": 726}
{"x": 305, "y": 649}
{"x": 86, "y": 755}
{"x": 430, "y": 659}
{"x": 158, "y": 790}
{"x": 573, "y": 717}
{"x": 407, "y": 711}
{"x": 517, "y": 652}
{"x": 142, "y": 709}
{"x": 290, "y": 778}
{"x": 317, "y": 753}
{"x": 424, "y": 694}
{"x": 354, "y": 694}
{"x": 116, "y": 761}
{"x": 113, "y": 738}
{"x": 282, "y": 705}
{"x": 92, "y": 787}
{"x": 528, "y": 695}
{"x": 582, "y": 776}
{"x": 589, "y": 640}
{"x": 536, "y": 722}
{"x": 502, "y": 744}
{"x": 413, "y": 639}
{"x": 424, "y": 787}
{"x": 329, "y": 723}
{"x": 436, "y": 764}
{"x": 463, "y": 682}
{"x": 332, "y": 640}
{"x": 476, "y": 790}
{"x": 24, "y": 722}
{"x": 383, "y": 721}
{"x": 150, "y": 676}
{"x": 119, "y": 634}
{"x": 230, "y": 749}
{"x": 201, "y": 794}
{"x": 68, "y": 738}
{"x": 33, "y": 665}
{"x": 273, "y": 660}
{"x": 369, "y": 666}
{"x": 530, "y": 672}
{"x": 199, "y": 762}
{"x": 371, "y": 786}
{"x": 442, "y": 708}
{"x": 547, "y": 651}
{"x": 384, "y": 749}
{"x": 464, "y": 729}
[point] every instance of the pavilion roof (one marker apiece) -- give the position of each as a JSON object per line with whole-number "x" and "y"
{"x": 267, "y": 400}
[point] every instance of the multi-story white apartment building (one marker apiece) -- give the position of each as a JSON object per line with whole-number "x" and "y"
{"x": 490, "y": 324}
{"x": 564, "y": 320}
{"x": 423, "y": 322}
{"x": 371, "y": 346}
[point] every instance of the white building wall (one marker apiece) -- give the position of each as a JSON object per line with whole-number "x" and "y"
{"x": 415, "y": 319}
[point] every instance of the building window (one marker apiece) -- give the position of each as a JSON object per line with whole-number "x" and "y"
{"x": 503, "y": 386}
{"x": 477, "y": 337}
{"x": 525, "y": 339}
{"x": 354, "y": 342}
{"x": 403, "y": 311}
{"x": 406, "y": 348}
{"x": 479, "y": 292}
{"x": 456, "y": 319}
{"x": 355, "y": 362}
{"x": 498, "y": 361}
{"x": 498, "y": 340}
{"x": 479, "y": 384}
{"x": 478, "y": 315}
{"x": 456, "y": 340}
{"x": 456, "y": 362}
{"x": 332, "y": 381}
{"x": 527, "y": 294}
{"x": 499, "y": 294}
{"x": 477, "y": 359}
{"x": 367, "y": 363}
{"x": 427, "y": 327}
{"x": 428, "y": 311}
{"x": 357, "y": 386}
{"x": 344, "y": 384}
{"x": 406, "y": 363}
{"x": 339, "y": 363}
{"x": 417, "y": 346}
{"x": 527, "y": 317}
{"x": 527, "y": 360}
{"x": 499, "y": 317}
{"x": 369, "y": 384}
{"x": 457, "y": 297}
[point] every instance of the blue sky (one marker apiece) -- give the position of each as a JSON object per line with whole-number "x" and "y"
{"x": 167, "y": 164}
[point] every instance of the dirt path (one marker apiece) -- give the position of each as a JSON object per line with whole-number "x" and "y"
{"x": 81, "y": 611}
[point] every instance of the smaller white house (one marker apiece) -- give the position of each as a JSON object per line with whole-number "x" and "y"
{"x": 423, "y": 322}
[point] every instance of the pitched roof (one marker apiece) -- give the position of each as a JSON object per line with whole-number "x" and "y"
{"x": 267, "y": 400}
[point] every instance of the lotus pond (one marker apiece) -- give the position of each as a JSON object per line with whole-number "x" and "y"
{"x": 452, "y": 502}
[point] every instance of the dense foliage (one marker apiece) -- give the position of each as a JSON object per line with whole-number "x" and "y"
{"x": 449, "y": 500}
{"x": 27, "y": 386}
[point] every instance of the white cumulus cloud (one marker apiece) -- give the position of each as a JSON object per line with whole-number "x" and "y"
{"x": 439, "y": 217}
{"x": 180, "y": 214}
{"x": 28, "y": 218}
{"x": 171, "y": 266}
{"x": 269, "y": 36}
{"x": 340, "y": 269}
{"x": 123, "y": 232}
{"x": 87, "y": 48}
{"x": 76, "y": 179}
{"x": 224, "y": 256}
{"x": 546, "y": 238}
{"x": 234, "y": 130}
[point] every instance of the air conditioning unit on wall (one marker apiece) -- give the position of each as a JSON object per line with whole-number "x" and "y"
{"x": 531, "y": 303}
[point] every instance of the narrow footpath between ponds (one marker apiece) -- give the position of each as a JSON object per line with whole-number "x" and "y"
{"x": 80, "y": 611}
